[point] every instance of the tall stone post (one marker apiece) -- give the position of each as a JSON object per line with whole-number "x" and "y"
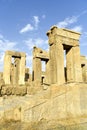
{"x": 77, "y": 64}
{"x": 16, "y": 70}
{"x": 37, "y": 69}
{"x": 56, "y": 54}
{"x": 60, "y": 60}
{"x": 86, "y": 74}
{"x": 48, "y": 72}
{"x": 69, "y": 65}
{"x": 22, "y": 71}
{"x": 7, "y": 66}
{"x": 53, "y": 64}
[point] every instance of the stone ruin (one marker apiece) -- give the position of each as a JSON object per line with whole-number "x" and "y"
{"x": 15, "y": 75}
{"x": 57, "y": 88}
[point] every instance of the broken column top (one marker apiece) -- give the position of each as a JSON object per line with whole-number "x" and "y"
{"x": 39, "y": 53}
{"x": 64, "y": 32}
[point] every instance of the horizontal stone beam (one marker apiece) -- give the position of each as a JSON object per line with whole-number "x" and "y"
{"x": 15, "y": 53}
{"x": 42, "y": 56}
{"x": 64, "y": 33}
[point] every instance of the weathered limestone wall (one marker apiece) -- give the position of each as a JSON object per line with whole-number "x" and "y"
{"x": 64, "y": 105}
{"x": 67, "y": 104}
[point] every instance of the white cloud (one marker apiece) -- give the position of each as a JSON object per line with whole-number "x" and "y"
{"x": 1, "y": 36}
{"x": 7, "y": 45}
{"x": 39, "y": 42}
{"x": 29, "y": 61}
{"x": 27, "y": 28}
{"x": 4, "y": 46}
{"x": 36, "y": 21}
{"x": 85, "y": 34}
{"x": 30, "y": 27}
{"x": 77, "y": 28}
{"x": 67, "y": 21}
{"x": 70, "y": 20}
{"x": 43, "y": 16}
{"x": 30, "y": 43}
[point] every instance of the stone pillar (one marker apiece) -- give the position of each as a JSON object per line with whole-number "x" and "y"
{"x": 22, "y": 71}
{"x": 84, "y": 73}
{"x": 16, "y": 70}
{"x": 53, "y": 64}
{"x": 27, "y": 74}
{"x": 48, "y": 72}
{"x": 57, "y": 62}
{"x": 37, "y": 69}
{"x": 7, "y": 67}
{"x": 60, "y": 61}
{"x": 77, "y": 64}
{"x": 69, "y": 65}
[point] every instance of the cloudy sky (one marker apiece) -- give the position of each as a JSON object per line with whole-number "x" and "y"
{"x": 24, "y": 23}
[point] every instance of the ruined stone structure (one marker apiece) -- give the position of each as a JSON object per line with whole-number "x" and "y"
{"x": 14, "y": 72}
{"x": 60, "y": 40}
{"x": 57, "y": 95}
{"x": 38, "y": 56}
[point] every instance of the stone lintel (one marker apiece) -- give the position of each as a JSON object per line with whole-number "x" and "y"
{"x": 42, "y": 56}
{"x": 39, "y": 53}
{"x": 15, "y": 53}
{"x": 69, "y": 41}
{"x": 64, "y": 32}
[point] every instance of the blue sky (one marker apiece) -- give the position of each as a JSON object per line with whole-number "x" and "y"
{"x": 24, "y": 23}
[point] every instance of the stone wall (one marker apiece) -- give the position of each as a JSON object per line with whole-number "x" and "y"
{"x": 64, "y": 105}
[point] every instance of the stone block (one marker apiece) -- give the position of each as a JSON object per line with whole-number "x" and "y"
{"x": 21, "y": 91}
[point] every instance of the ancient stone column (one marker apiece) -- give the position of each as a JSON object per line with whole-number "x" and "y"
{"x": 48, "y": 72}
{"x": 37, "y": 69}
{"x": 86, "y": 74}
{"x": 53, "y": 64}
{"x": 60, "y": 61}
{"x": 56, "y": 54}
{"x": 69, "y": 65}
{"x": 77, "y": 64}
{"x": 22, "y": 71}
{"x": 16, "y": 70}
{"x": 7, "y": 67}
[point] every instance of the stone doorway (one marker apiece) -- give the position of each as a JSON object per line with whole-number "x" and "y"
{"x": 14, "y": 67}
{"x": 14, "y": 76}
{"x": 67, "y": 62}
